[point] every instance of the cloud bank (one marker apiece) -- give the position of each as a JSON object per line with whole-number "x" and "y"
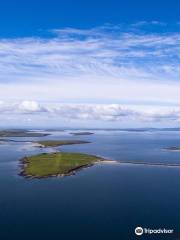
{"x": 102, "y": 112}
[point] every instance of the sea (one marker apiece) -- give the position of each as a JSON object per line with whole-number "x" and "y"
{"x": 105, "y": 201}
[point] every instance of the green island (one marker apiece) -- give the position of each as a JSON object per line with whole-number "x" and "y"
{"x": 56, "y": 164}
{"x": 173, "y": 148}
{"x": 45, "y": 143}
{"x": 56, "y": 143}
{"x": 81, "y": 133}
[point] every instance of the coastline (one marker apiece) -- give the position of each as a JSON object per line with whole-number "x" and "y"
{"x": 99, "y": 160}
{"x": 25, "y": 160}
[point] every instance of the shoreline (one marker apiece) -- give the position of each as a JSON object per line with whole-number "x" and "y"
{"x": 73, "y": 171}
{"x": 70, "y": 173}
{"x": 24, "y": 164}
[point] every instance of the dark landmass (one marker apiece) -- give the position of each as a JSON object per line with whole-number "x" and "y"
{"x": 54, "y": 130}
{"x": 144, "y": 129}
{"x": 56, "y": 143}
{"x": 173, "y": 148}
{"x": 56, "y": 164}
{"x": 81, "y": 133}
{"x": 12, "y": 140}
{"x": 129, "y": 129}
{"x": 21, "y": 133}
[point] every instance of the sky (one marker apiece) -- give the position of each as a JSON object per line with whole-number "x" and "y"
{"x": 89, "y": 64}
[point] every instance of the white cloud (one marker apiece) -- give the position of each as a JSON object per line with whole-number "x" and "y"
{"x": 29, "y": 107}
{"x": 109, "y": 64}
{"x": 91, "y": 112}
{"x": 101, "y": 52}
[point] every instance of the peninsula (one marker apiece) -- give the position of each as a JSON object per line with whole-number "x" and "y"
{"x": 56, "y": 143}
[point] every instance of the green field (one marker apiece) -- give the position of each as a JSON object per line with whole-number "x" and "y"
{"x": 53, "y": 164}
{"x": 56, "y": 143}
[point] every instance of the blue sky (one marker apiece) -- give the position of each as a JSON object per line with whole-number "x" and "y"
{"x": 90, "y": 63}
{"x": 28, "y": 18}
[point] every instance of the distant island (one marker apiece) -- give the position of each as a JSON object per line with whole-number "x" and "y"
{"x": 56, "y": 164}
{"x": 56, "y": 143}
{"x": 54, "y": 130}
{"x": 21, "y": 133}
{"x": 81, "y": 133}
{"x": 173, "y": 148}
{"x": 45, "y": 143}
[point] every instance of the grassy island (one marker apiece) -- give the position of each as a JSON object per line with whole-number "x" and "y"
{"x": 56, "y": 164}
{"x": 56, "y": 143}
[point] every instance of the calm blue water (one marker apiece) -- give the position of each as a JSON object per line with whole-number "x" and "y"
{"x": 106, "y": 201}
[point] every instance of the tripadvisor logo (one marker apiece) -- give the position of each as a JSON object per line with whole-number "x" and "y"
{"x": 139, "y": 231}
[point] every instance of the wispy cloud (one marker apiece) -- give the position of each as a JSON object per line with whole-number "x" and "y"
{"x": 105, "y": 64}
{"x": 98, "y": 51}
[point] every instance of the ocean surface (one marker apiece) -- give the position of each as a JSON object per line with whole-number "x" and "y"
{"x": 106, "y": 201}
